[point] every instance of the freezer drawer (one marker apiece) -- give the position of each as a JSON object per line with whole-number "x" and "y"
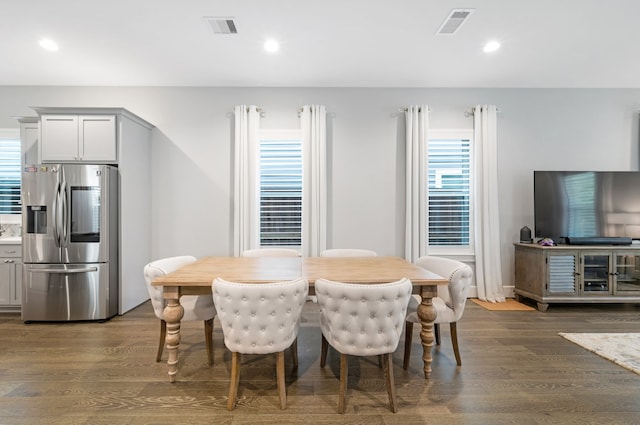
{"x": 66, "y": 292}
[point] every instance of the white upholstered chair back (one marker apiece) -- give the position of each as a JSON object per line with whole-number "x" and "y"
{"x": 363, "y": 319}
{"x": 196, "y": 307}
{"x": 348, "y": 252}
{"x": 451, "y": 298}
{"x": 259, "y": 318}
{"x": 271, "y": 252}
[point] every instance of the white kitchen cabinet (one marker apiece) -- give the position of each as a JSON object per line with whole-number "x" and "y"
{"x": 10, "y": 278}
{"x": 69, "y": 137}
{"x": 29, "y": 134}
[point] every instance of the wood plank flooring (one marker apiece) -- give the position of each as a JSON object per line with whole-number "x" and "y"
{"x": 515, "y": 370}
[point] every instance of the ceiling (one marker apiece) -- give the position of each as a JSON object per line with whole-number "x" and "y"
{"x": 323, "y": 43}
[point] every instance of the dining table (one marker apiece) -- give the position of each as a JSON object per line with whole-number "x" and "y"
{"x": 197, "y": 278}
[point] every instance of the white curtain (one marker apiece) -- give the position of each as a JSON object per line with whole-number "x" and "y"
{"x": 417, "y": 124}
{"x": 487, "y": 225}
{"x": 247, "y": 135}
{"x": 314, "y": 192}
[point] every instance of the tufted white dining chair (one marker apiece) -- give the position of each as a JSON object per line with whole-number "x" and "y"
{"x": 362, "y": 320}
{"x": 449, "y": 303}
{"x": 348, "y": 252}
{"x": 196, "y": 307}
{"x": 259, "y": 318}
{"x": 271, "y": 252}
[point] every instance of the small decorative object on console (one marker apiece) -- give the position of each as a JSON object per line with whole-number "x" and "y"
{"x": 546, "y": 242}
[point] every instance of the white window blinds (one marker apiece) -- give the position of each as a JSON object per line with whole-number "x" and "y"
{"x": 448, "y": 203}
{"x": 10, "y": 176}
{"x": 280, "y": 193}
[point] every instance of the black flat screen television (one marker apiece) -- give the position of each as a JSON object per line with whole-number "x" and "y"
{"x": 586, "y": 204}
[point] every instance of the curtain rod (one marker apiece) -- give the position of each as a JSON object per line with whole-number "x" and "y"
{"x": 469, "y": 112}
{"x": 406, "y": 109}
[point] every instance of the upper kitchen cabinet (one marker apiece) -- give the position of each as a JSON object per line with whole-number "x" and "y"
{"x": 29, "y": 134}
{"x": 90, "y": 135}
{"x": 87, "y": 138}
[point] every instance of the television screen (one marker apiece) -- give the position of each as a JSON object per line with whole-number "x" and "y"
{"x": 587, "y": 204}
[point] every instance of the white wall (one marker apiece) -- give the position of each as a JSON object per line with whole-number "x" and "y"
{"x": 568, "y": 129}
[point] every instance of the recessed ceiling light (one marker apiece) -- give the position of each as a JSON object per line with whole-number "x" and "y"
{"x": 491, "y": 46}
{"x": 271, "y": 46}
{"x": 47, "y": 44}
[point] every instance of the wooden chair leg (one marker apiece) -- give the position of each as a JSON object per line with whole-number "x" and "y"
{"x": 344, "y": 372}
{"x": 454, "y": 342}
{"x": 294, "y": 353}
{"x": 323, "y": 353}
{"x": 208, "y": 337}
{"x": 436, "y": 332}
{"x": 282, "y": 392}
{"x": 391, "y": 387}
{"x": 408, "y": 337}
{"x": 163, "y": 337}
{"x": 235, "y": 380}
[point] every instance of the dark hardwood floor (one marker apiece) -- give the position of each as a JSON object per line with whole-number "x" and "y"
{"x": 516, "y": 370}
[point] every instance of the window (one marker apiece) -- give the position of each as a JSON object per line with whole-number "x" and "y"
{"x": 10, "y": 172}
{"x": 280, "y": 194}
{"x": 449, "y": 180}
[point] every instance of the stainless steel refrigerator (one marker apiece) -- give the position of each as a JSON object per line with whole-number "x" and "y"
{"x": 69, "y": 242}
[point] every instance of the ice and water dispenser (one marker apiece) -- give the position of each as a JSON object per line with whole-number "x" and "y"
{"x": 36, "y": 219}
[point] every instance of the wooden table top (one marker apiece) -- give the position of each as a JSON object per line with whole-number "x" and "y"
{"x": 275, "y": 269}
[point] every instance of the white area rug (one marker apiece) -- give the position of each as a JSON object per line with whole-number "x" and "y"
{"x": 621, "y": 348}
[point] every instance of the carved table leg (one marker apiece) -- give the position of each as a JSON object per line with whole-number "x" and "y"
{"x": 173, "y": 313}
{"x": 427, "y": 314}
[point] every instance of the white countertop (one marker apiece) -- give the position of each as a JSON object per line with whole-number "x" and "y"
{"x": 10, "y": 240}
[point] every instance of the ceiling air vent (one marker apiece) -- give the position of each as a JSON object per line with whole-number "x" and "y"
{"x": 221, "y": 25}
{"x": 455, "y": 19}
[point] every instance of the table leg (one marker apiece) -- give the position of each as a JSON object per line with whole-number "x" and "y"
{"x": 427, "y": 314}
{"x": 173, "y": 313}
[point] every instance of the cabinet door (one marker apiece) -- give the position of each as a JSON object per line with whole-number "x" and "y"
{"x": 562, "y": 269}
{"x": 596, "y": 273}
{"x": 16, "y": 296}
{"x": 7, "y": 278}
{"x": 627, "y": 273}
{"x": 97, "y": 138}
{"x": 59, "y": 138}
{"x": 29, "y": 142}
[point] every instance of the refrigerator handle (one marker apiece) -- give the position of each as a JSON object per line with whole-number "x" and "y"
{"x": 56, "y": 214}
{"x": 64, "y": 271}
{"x": 64, "y": 214}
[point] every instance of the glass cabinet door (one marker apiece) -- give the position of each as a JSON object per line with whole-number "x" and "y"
{"x": 627, "y": 273}
{"x": 597, "y": 273}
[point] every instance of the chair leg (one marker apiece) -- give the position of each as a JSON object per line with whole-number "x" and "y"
{"x": 391, "y": 387}
{"x": 323, "y": 353}
{"x": 208, "y": 337}
{"x": 294, "y": 353}
{"x": 454, "y": 342}
{"x": 235, "y": 380}
{"x": 436, "y": 332}
{"x": 163, "y": 336}
{"x": 282, "y": 392}
{"x": 408, "y": 337}
{"x": 344, "y": 372}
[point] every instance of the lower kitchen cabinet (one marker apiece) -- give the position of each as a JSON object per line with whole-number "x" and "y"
{"x": 10, "y": 278}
